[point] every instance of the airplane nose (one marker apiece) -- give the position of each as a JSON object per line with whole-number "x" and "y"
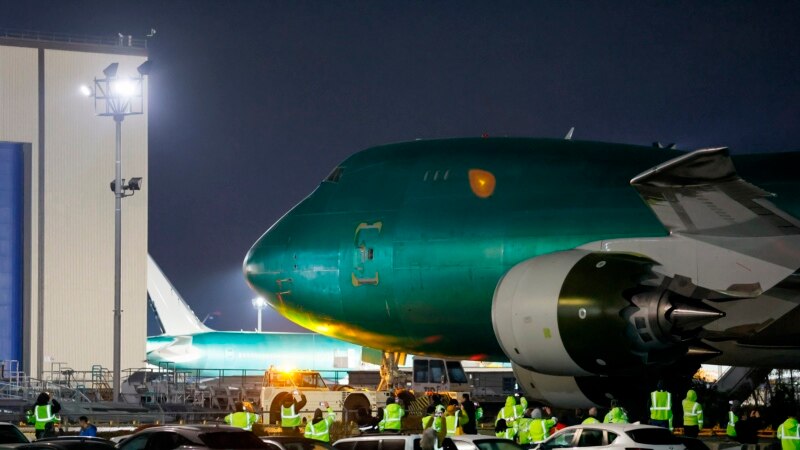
{"x": 263, "y": 266}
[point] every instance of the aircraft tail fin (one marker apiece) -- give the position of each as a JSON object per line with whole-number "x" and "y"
{"x": 174, "y": 314}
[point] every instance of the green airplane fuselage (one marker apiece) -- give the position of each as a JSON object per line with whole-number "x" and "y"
{"x": 401, "y": 248}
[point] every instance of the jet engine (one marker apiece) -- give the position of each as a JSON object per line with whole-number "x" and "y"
{"x": 579, "y": 313}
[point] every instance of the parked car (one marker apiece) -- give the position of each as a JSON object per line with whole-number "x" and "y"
{"x": 10, "y": 436}
{"x": 69, "y": 443}
{"x": 294, "y": 443}
{"x": 481, "y": 442}
{"x": 192, "y": 436}
{"x": 386, "y": 442}
{"x": 613, "y": 436}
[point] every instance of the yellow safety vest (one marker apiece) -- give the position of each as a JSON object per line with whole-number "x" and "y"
{"x": 289, "y": 418}
{"x": 241, "y": 419}
{"x": 730, "y": 430}
{"x": 43, "y": 416}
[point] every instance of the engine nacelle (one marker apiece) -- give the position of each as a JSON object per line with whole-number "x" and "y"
{"x": 579, "y": 313}
{"x": 574, "y": 392}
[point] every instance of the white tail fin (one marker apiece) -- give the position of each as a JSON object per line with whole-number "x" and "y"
{"x": 174, "y": 314}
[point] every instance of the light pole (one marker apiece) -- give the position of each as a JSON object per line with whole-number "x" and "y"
{"x": 118, "y": 97}
{"x": 259, "y": 304}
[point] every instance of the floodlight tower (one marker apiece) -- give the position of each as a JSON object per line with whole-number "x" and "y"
{"x": 259, "y": 304}
{"x": 118, "y": 97}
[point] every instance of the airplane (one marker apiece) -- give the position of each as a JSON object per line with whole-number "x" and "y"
{"x": 552, "y": 254}
{"x": 188, "y": 344}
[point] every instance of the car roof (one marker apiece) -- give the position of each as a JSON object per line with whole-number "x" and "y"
{"x": 376, "y": 437}
{"x": 612, "y": 426}
{"x": 288, "y": 439}
{"x": 474, "y": 437}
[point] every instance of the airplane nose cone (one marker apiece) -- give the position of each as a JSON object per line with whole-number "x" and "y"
{"x": 263, "y": 267}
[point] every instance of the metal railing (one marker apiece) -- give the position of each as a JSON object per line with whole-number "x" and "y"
{"x": 46, "y": 36}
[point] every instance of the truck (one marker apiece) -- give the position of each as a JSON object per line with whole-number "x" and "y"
{"x": 429, "y": 376}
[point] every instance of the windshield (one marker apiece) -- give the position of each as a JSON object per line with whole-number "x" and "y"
{"x": 653, "y": 436}
{"x": 11, "y": 435}
{"x": 456, "y": 372}
{"x": 231, "y": 440}
{"x": 496, "y": 444}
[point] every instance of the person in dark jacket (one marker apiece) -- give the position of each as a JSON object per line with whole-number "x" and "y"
{"x": 469, "y": 410}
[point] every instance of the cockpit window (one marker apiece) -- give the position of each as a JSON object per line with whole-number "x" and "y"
{"x": 335, "y": 175}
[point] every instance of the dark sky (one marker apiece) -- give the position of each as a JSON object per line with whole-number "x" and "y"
{"x": 253, "y": 102}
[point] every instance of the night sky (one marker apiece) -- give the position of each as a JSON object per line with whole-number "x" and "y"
{"x": 252, "y": 103}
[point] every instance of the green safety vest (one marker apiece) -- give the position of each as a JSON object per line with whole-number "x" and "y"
{"x": 790, "y": 439}
{"x": 508, "y": 434}
{"x": 539, "y": 429}
{"x": 452, "y": 423}
{"x": 436, "y": 423}
{"x": 320, "y": 431}
{"x": 43, "y": 416}
{"x": 289, "y": 418}
{"x": 241, "y": 419}
{"x": 660, "y": 405}
{"x": 730, "y": 430}
{"x": 523, "y": 431}
{"x": 392, "y": 417}
{"x": 590, "y": 420}
{"x": 692, "y": 413}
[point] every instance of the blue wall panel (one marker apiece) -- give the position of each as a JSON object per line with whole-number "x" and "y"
{"x": 11, "y": 251}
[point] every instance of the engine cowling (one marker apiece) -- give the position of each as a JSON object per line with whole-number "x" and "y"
{"x": 575, "y": 392}
{"x": 580, "y": 313}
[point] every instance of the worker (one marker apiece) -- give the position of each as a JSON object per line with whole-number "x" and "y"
{"x": 45, "y": 415}
{"x": 789, "y": 434}
{"x": 540, "y": 427}
{"x": 320, "y": 427}
{"x": 508, "y": 412}
{"x": 455, "y": 419}
{"x": 692, "y": 414}
{"x": 241, "y": 418}
{"x": 616, "y": 414}
{"x": 502, "y": 430}
{"x": 661, "y": 407}
{"x": 524, "y": 428}
{"x": 392, "y": 416}
{"x": 436, "y": 420}
{"x": 592, "y": 416}
{"x": 290, "y": 411}
{"x": 730, "y": 429}
{"x": 478, "y": 413}
{"x": 521, "y": 407}
{"x": 468, "y": 406}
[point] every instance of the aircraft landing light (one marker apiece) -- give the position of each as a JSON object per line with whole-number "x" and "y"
{"x": 482, "y": 183}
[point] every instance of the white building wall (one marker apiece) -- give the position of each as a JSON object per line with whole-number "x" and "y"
{"x": 79, "y": 207}
{"x": 79, "y": 218}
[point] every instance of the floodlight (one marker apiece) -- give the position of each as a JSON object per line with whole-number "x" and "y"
{"x": 85, "y": 90}
{"x": 124, "y": 88}
{"x": 259, "y": 303}
{"x": 111, "y": 70}
{"x": 144, "y": 68}
{"x": 135, "y": 184}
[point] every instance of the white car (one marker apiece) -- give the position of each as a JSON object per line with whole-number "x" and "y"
{"x": 613, "y": 436}
{"x": 481, "y": 442}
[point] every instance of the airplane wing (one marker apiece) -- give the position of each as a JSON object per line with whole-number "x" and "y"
{"x": 700, "y": 193}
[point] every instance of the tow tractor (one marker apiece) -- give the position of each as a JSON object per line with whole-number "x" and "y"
{"x": 429, "y": 376}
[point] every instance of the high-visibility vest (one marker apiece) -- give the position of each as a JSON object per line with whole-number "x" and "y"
{"x": 508, "y": 434}
{"x": 452, "y": 423}
{"x": 539, "y": 429}
{"x": 43, "y": 415}
{"x": 692, "y": 413}
{"x": 392, "y": 417}
{"x": 289, "y": 418}
{"x": 241, "y": 419}
{"x": 590, "y": 420}
{"x": 436, "y": 423}
{"x": 660, "y": 405}
{"x": 509, "y": 413}
{"x": 320, "y": 431}
{"x": 524, "y": 431}
{"x": 730, "y": 430}
{"x": 789, "y": 440}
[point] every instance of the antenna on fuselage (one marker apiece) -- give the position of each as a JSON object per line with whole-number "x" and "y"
{"x": 568, "y": 137}
{"x": 670, "y": 146}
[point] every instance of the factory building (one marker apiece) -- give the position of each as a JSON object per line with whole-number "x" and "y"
{"x": 57, "y": 159}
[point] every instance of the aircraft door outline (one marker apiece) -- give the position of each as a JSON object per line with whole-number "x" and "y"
{"x": 364, "y": 253}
